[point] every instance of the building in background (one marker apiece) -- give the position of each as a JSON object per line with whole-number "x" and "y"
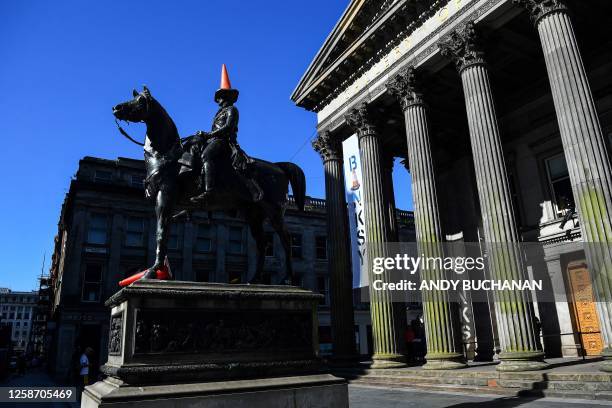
{"x": 17, "y": 311}
{"x": 39, "y": 340}
{"x": 503, "y": 110}
{"x": 106, "y": 232}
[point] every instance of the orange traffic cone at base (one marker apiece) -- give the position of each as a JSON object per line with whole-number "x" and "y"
{"x": 163, "y": 273}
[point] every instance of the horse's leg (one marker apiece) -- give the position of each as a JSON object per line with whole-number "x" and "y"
{"x": 255, "y": 221}
{"x": 281, "y": 229}
{"x": 163, "y": 210}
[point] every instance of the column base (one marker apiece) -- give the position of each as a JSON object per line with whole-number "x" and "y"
{"x": 521, "y": 361}
{"x": 388, "y": 361}
{"x": 606, "y": 365}
{"x": 444, "y": 361}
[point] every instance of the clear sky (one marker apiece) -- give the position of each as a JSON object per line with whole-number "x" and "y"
{"x": 64, "y": 64}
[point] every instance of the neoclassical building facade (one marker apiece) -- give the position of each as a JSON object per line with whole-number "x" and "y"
{"x": 503, "y": 112}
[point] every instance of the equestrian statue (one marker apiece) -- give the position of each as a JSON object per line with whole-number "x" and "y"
{"x": 209, "y": 171}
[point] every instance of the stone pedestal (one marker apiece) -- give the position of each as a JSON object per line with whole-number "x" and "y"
{"x": 187, "y": 343}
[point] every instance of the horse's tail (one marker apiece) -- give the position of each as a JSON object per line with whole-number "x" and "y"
{"x": 297, "y": 180}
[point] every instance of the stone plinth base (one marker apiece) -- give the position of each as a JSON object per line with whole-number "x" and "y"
{"x": 190, "y": 344}
{"x": 312, "y": 391}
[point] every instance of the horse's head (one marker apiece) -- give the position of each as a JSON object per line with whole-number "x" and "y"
{"x": 136, "y": 110}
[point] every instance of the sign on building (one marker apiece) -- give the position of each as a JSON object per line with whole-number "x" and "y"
{"x": 354, "y": 199}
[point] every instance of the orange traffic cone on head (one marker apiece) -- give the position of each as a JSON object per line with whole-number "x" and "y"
{"x": 225, "y": 90}
{"x": 225, "y": 82}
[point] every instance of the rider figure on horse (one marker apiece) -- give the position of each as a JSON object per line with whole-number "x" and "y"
{"x": 221, "y": 144}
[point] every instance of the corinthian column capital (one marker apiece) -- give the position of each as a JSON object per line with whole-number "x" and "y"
{"x": 540, "y": 8}
{"x": 404, "y": 87}
{"x": 361, "y": 120}
{"x": 463, "y": 47}
{"x": 328, "y": 146}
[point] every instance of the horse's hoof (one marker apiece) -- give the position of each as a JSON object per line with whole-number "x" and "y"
{"x": 151, "y": 273}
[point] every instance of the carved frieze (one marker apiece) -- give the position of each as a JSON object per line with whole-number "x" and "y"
{"x": 115, "y": 335}
{"x": 206, "y": 331}
{"x": 334, "y": 104}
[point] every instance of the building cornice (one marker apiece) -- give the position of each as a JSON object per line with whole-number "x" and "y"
{"x": 399, "y": 19}
{"x": 428, "y": 47}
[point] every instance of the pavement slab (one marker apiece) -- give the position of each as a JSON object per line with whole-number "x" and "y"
{"x": 389, "y": 397}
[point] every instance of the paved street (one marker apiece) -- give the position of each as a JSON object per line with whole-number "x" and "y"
{"x": 379, "y": 397}
{"x": 366, "y": 397}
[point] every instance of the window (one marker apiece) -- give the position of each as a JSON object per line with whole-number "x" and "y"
{"x": 560, "y": 184}
{"x": 296, "y": 245}
{"x": 235, "y": 240}
{"x": 17, "y": 324}
{"x": 12, "y": 315}
{"x": 137, "y": 181}
{"x": 102, "y": 176}
{"x": 203, "y": 239}
{"x": 134, "y": 235}
{"x": 323, "y": 288}
{"x": 173, "y": 237}
{"x": 269, "y": 244}
{"x": 321, "y": 247}
{"x": 96, "y": 234}
{"x": 92, "y": 283}
{"x": 19, "y": 315}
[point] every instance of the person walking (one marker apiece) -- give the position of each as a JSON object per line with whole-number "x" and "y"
{"x": 84, "y": 364}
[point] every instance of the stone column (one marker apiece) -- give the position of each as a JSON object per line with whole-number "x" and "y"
{"x": 387, "y": 165}
{"x": 442, "y": 326}
{"x": 584, "y": 147}
{"x": 339, "y": 256}
{"x": 514, "y": 309}
{"x": 388, "y": 318}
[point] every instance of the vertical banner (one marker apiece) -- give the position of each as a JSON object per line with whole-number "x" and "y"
{"x": 354, "y": 199}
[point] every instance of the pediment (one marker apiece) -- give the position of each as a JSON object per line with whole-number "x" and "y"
{"x": 356, "y": 19}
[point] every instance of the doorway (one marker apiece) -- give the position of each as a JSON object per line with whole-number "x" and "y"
{"x": 583, "y": 306}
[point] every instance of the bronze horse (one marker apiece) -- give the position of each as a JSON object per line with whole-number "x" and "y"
{"x": 170, "y": 187}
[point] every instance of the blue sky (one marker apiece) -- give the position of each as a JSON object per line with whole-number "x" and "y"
{"x": 64, "y": 64}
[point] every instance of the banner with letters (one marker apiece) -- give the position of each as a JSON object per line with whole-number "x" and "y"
{"x": 354, "y": 199}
